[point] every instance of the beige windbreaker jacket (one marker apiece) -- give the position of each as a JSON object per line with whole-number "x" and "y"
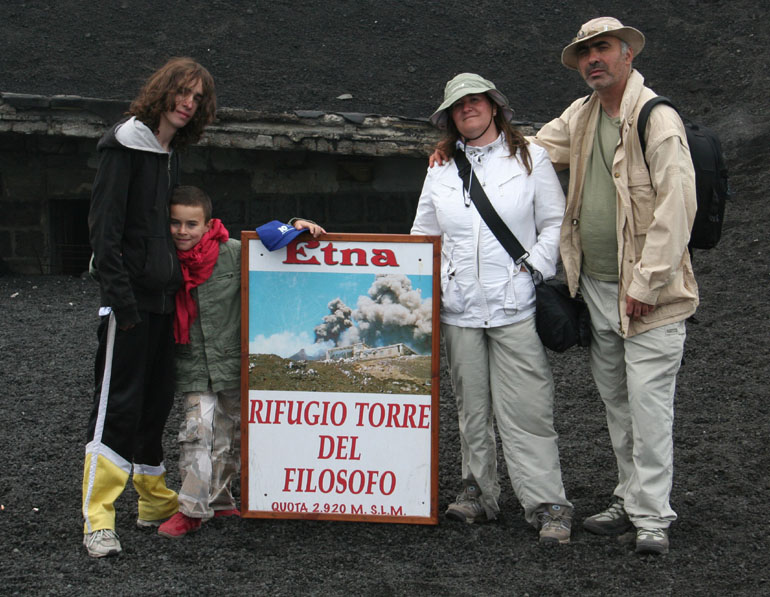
{"x": 656, "y": 206}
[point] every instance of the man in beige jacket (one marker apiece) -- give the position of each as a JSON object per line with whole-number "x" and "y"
{"x": 624, "y": 246}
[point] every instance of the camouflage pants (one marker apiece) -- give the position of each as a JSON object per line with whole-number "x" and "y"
{"x": 209, "y": 451}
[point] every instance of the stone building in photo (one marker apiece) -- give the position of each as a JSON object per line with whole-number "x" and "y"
{"x": 362, "y": 352}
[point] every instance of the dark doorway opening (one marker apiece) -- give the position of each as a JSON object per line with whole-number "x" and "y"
{"x": 70, "y": 247}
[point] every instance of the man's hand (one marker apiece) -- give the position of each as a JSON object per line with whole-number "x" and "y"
{"x": 437, "y": 157}
{"x": 636, "y": 309}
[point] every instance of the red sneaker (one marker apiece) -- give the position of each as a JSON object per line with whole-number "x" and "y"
{"x": 224, "y": 513}
{"x": 178, "y": 526}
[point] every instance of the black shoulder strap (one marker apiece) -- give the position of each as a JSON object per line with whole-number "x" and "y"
{"x": 644, "y": 116}
{"x": 491, "y": 217}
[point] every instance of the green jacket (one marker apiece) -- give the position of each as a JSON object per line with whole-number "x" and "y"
{"x": 213, "y": 356}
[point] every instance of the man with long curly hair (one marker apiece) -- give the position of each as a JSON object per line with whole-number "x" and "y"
{"x": 135, "y": 262}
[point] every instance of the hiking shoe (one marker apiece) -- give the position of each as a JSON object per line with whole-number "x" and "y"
{"x": 178, "y": 526}
{"x": 613, "y": 521}
{"x": 652, "y": 541}
{"x": 102, "y": 543}
{"x": 555, "y": 524}
{"x": 225, "y": 513}
{"x": 148, "y": 524}
{"x": 467, "y": 507}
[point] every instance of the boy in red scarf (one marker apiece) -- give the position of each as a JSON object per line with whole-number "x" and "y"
{"x": 207, "y": 330}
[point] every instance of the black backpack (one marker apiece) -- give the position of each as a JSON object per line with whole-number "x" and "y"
{"x": 711, "y": 184}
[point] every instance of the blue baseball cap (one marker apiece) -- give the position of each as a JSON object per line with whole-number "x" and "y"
{"x": 275, "y": 235}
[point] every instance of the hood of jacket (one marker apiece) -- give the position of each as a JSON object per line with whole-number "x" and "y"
{"x": 131, "y": 133}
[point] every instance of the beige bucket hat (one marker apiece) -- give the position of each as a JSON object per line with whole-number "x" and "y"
{"x": 602, "y": 26}
{"x": 465, "y": 84}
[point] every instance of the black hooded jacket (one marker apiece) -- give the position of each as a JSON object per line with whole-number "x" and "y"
{"x": 134, "y": 255}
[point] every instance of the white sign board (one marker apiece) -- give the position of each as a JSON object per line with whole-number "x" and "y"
{"x": 340, "y": 378}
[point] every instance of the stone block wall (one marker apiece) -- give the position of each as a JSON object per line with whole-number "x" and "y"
{"x": 45, "y": 185}
{"x": 343, "y": 193}
{"x": 35, "y": 173}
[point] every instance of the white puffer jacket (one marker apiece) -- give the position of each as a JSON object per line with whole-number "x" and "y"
{"x": 480, "y": 284}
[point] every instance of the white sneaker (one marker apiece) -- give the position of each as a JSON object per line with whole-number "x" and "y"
{"x": 101, "y": 543}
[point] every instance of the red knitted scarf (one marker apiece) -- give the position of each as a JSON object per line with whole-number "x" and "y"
{"x": 197, "y": 265}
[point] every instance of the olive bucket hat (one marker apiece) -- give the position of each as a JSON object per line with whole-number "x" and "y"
{"x": 602, "y": 26}
{"x": 465, "y": 84}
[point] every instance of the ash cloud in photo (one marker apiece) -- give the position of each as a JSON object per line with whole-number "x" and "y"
{"x": 392, "y": 312}
{"x": 336, "y": 323}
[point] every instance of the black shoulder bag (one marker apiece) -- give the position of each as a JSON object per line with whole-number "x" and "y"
{"x": 561, "y": 321}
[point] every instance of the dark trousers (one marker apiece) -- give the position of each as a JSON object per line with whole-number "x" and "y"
{"x": 134, "y": 390}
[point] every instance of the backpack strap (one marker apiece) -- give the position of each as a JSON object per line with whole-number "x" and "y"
{"x": 644, "y": 116}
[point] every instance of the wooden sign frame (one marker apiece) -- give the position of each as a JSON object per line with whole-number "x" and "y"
{"x": 340, "y": 378}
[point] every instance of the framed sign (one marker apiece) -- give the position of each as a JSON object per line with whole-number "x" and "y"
{"x": 340, "y": 378}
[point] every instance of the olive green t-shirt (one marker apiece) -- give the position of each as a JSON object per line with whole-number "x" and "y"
{"x": 598, "y": 212}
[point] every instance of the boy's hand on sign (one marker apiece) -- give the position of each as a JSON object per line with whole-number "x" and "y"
{"x": 312, "y": 227}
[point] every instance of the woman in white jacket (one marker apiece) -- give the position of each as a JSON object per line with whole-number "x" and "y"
{"x": 498, "y": 365}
